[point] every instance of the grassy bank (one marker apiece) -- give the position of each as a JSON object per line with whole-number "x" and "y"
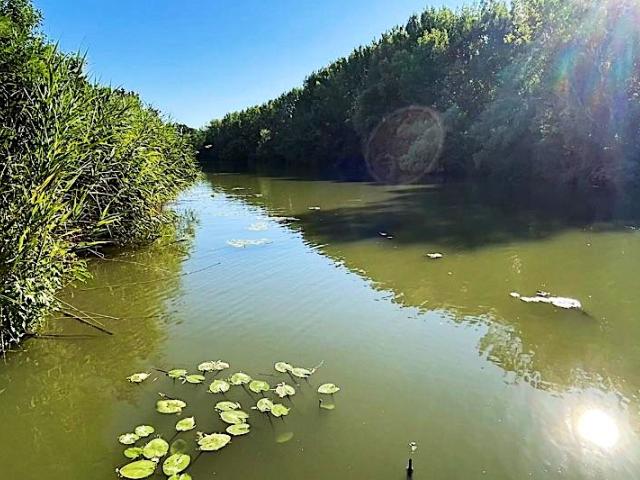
{"x": 527, "y": 89}
{"x": 82, "y": 166}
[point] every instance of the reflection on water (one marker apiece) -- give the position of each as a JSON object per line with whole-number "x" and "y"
{"x": 435, "y": 352}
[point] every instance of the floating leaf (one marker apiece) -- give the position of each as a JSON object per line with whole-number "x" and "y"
{"x": 238, "y": 429}
{"x": 179, "y": 446}
{"x": 144, "y": 430}
{"x": 138, "y": 469}
{"x": 259, "y": 386}
{"x": 328, "y": 389}
{"x": 212, "y": 366}
{"x": 133, "y": 452}
{"x": 219, "y": 386}
{"x": 284, "y": 437}
{"x": 279, "y": 410}
{"x": 264, "y": 405}
{"x": 156, "y": 448}
{"x": 195, "y": 379}
{"x": 138, "y": 377}
{"x": 128, "y": 438}
{"x": 170, "y": 406}
{"x": 234, "y": 416}
{"x": 327, "y": 406}
{"x": 186, "y": 424}
{"x": 283, "y": 367}
{"x": 284, "y": 390}
{"x": 213, "y": 441}
{"x": 180, "y": 476}
{"x": 177, "y": 373}
{"x": 239, "y": 378}
{"x": 176, "y": 463}
{"x": 301, "y": 372}
{"x": 227, "y": 406}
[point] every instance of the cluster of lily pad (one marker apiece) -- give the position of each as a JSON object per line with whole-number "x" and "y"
{"x": 147, "y": 457}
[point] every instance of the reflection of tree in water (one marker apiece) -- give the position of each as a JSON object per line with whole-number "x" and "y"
{"x": 59, "y": 394}
{"x": 549, "y": 349}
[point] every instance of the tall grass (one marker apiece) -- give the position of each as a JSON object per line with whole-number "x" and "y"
{"x": 81, "y": 166}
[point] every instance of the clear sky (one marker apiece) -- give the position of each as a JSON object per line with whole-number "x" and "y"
{"x": 199, "y": 59}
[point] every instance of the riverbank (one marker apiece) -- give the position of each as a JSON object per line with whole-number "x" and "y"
{"x": 84, "y": 166}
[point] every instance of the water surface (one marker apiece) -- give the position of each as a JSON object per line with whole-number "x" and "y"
{"x": 435, "y": 352}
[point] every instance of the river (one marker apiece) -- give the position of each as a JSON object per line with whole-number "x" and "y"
{"x": 429, "y": 351}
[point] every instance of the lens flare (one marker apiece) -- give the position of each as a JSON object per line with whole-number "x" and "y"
{"x": 598, "y": 428}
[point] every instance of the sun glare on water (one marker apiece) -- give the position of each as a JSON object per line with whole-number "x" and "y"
{"x": 598, "y": 428}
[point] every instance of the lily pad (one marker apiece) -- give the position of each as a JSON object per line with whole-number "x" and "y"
{"x": 213, "y": 441}
{"x": 186, "y": 424}
{"x": 284, "y": 437}
{"x": 327, "y": 406}
{"x": 138, "y": 377}
{"x": 284, "y": 390}
{"x": 234, "y": 416}
{"x": 279, "y": 410}
{"x": 170, "y": 406}
{"x": 133, "y": 452}
{"x": 239, "y": 379}
{"x": 128, "y": 438}
{"x": 138, "y": 469}
{"x": 156, "y": 448}
{"x": 264, "y": 405}
{"x": 176, "y": 463}
{"x": 283, "y": 367}
{"x": 194, "y": 379}
{"x": 212, "y": 366}
{"x": 259, "y": 386}
{"x": 238, "y": 429}
{"x": 144, "y": 430}
{"x": 177, "y": 373}
{"x": 227, "y": 406}
{"x": 219, "y": 386}
{"x": 180, "y": 476}
{"x": 328, "y": 389}
{"x": 301, "y": 372}
{"x": 179, "y": 446}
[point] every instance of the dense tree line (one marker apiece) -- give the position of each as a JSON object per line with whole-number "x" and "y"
{"x": 81, "y": 166}
{"x": 531, "y": 89}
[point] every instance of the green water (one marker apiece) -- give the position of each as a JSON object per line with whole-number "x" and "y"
{"x": 434, "y": 352}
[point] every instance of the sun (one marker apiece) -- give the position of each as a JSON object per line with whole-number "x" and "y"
{"x": 597, "y": 427}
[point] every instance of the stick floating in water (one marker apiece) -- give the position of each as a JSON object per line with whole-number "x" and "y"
{"x": 544, "y": 297}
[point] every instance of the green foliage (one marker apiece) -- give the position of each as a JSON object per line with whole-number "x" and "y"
{"x": 83, "y": 166}
{"x": 545, "y": 89}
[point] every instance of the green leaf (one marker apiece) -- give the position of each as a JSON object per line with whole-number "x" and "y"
{"x": 301, "y": 372}
{"x": 138, "y": 469}
{"x": 234, "y": 416}
{"x": 259, "y": 386}
{"x": 128, "y": 438}
{"x": 328, "y": 389}
{"x": 138, "y": 377}
{"x": 279, "y": 410}
{"x": 177, "y": 373}
{"x": 195, "y": 379}
{"x": 144, "y": 430}
{"x": 238, "y": 429}
{"x": 227, "y": 406}
{"x": 156, "y": 448}
{"x": 186, "y": 424}
{"x": 212, "y": 366}
{"x": 179, "y": 446}
{"x": 176, "y": 463}
{"x": 180, "y": 476}
{"x": 133, "y": 452}
{"x": 264, "y": 405}
{"x": 170, "y": 406}
{"x": 284, "y": 437}
{"x": 213, "y": 441}
{"x": 284, "y": 390}
{"x": 239, "y": 378}
{"x": 219, "y": 386}
{"x": 283, "y": 367}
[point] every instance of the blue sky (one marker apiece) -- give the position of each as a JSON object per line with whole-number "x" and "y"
{"x": 199, "y": 59}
